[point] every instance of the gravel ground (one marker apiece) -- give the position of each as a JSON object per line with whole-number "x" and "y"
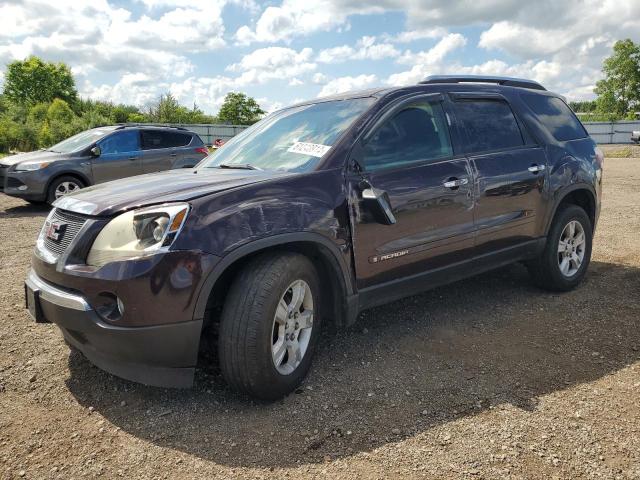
{"x": 485, "y": 378}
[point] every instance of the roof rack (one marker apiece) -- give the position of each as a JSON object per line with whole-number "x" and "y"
{"x": 507, "y": 81}
{"x": 137, "y": 124}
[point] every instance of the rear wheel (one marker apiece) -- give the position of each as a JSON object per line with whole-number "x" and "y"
{"x": 63, "y": 186}
{"x": 564, "y": 261}
{"x": 270, "y": 324}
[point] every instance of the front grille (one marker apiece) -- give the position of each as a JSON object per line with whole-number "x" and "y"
{"x": 71, "y": 223}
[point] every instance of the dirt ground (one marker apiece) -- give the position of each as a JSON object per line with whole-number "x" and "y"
{"x": 486, "y": 378}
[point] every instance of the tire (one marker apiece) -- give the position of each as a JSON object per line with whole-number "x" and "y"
{"x": 66, "y": 181}
{"x": 547, "y": 270}
{"x": 249, "y": 331}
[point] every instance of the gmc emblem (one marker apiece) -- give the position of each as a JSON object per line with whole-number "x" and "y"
{"x": 55, "y": 230}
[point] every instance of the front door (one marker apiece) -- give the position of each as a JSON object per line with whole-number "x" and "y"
{"x": 510, "y": 173}
{"x": 409, "y": 155}
{"x": 119, "y": 157}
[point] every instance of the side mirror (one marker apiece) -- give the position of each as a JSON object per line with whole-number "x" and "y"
{"x": 95, "y": 151}
{"x": 378, "y": 203}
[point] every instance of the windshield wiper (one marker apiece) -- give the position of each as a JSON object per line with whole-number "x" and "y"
{"x": 239, "y": 166}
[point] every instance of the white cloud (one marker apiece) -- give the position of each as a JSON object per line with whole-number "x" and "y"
{"x": 366, "y": 49}
{"x": 270, "y": 63}
{"x": 413, "y": 35}
{"x": 425, "y": 62}
{"x": 298, "y": 18}
{"x": 346, "y": 84}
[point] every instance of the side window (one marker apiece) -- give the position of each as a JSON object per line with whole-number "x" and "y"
{"x": 175, "y": 139}
{"x": 120, "y": 142}
{"x": 417, "y": 133}
{"x": 556, "y": 116}
{"x": 488, "y": 124}
{"x": 152, "y": 139}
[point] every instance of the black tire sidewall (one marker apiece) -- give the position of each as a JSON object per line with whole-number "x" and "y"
{"x": 568, "y": 214}
{"x": 299, "y": 268}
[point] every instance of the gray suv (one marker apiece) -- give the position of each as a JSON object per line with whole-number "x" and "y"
{"x": 96, "y": 156}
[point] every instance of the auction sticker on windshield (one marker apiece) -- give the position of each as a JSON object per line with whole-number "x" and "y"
{"x": 313, "y": 149}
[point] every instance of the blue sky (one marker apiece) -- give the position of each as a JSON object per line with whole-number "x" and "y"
{"x": 288, "y": 50}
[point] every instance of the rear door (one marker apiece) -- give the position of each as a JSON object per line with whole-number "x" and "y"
{"x": 120, "y": 156}
{"x": 157, "y": 152}
{"x": 510, "y": 171}
{"x": 409, "y": 156}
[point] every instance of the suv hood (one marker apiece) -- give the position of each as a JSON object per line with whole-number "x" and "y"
{"x": 37, "y": 156}
{"x": 154, "y": 188}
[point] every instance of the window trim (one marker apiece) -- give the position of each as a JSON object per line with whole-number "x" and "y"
{"x": 387, "y": 113}
{"x": 525, "y": 135}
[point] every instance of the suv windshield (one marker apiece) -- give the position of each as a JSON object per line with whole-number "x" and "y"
{"x": 79, "y": 141}
{"x": 293, "y": 139}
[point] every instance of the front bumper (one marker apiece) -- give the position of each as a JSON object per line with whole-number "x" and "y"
{"x": 161, "y": 355}
{"x": 26, "y": 185}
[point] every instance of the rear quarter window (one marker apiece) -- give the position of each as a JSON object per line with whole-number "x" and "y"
{"x": 556, "y": 116}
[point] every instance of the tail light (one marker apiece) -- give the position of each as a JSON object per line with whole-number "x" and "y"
{"x": 202, "y": 150}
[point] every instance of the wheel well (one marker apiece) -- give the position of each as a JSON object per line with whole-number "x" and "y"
{"x": 326, "y": 265}
{"x": 582, "y": 198}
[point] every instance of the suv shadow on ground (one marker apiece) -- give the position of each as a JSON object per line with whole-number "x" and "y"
{"x": 403, "y": 369}
{"x": 28, "y": 210}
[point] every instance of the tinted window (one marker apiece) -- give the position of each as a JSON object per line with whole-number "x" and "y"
{"x": 175, "y": 139}
{"x": 120, "y": 142}
{"x": 418, "y": 132}
{"x": 556, "y": 116}
{"x": 153, "y": 139}
{"x": 488, "y": 124}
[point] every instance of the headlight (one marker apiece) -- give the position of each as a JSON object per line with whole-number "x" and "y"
{"x": 30, "y": 166}
{"x": 138, "y": 233}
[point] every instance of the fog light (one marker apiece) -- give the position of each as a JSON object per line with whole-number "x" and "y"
{"x": 109, "y": 306}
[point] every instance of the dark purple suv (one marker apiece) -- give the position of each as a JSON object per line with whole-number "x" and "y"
{"x": 317, "y": 212}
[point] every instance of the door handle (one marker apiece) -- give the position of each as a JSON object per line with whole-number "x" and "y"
{"x": 454, "y": 183}
{"x": 173, "y": 155}
{"x": 133, "y": 158}
{"x": 536, "y": 168}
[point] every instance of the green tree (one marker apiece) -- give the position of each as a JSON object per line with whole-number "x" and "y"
{"x": 59, "y": 123}
{"x": 239, "y": 109}
{"x": 33, "y": 81}
{"x": 619, "y": 91}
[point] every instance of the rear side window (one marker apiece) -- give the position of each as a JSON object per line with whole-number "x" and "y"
{"x": 154, "y": 139}
{"x": 417, "y": 133}
{"x": 556, "y": 116}
{"x": 488, "y": 124}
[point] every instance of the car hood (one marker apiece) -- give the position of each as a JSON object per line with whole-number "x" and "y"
{"x": 154, "y": 188}
{"x": 37, "y": 156}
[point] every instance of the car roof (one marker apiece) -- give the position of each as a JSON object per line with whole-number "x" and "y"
{"x": 442, "y": 83}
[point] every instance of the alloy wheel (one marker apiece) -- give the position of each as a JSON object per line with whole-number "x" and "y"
{"x": 292, "y": 326}
{"x": 571, "y": 248}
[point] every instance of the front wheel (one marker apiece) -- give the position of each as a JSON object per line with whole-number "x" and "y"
{"x": 567, "y": 253}
{"x": 270, "y": 324}
{"x": 63, "y": 186}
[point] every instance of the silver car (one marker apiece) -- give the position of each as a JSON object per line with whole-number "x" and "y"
{"x": 96, "y": 156}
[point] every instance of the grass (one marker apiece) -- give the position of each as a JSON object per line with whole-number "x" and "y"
{"x": 622, "y": 152}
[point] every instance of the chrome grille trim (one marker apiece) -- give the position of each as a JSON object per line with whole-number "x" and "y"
{"x": 73, "y": 224}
